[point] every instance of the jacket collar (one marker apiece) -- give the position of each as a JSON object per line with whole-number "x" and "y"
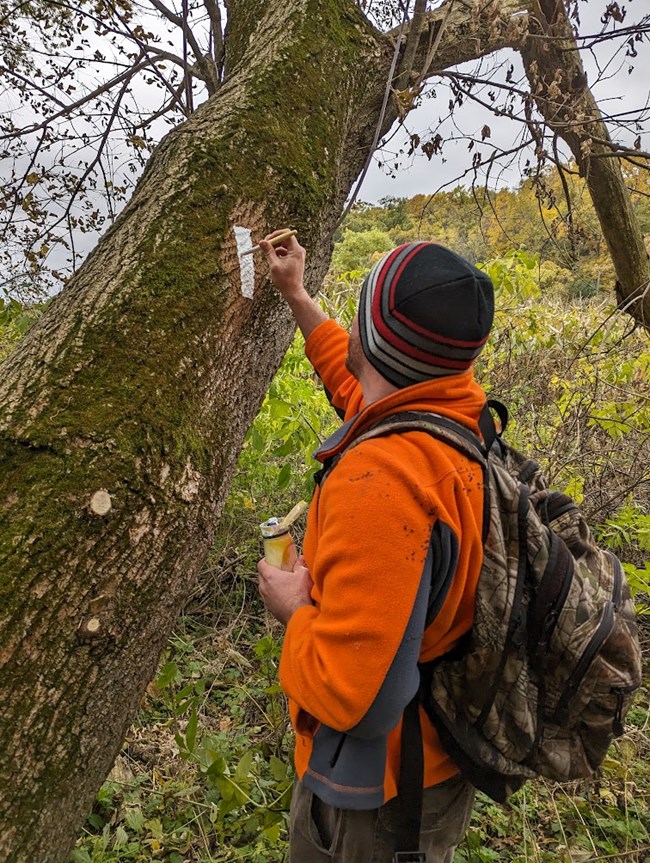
{"x": 457, "y": 396}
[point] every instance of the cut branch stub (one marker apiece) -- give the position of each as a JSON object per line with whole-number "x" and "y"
{"x": 91, "y": 628}
{"x": 100, "y": 503}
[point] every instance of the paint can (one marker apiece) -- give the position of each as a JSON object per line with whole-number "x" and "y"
{"x": 279, "y": 547}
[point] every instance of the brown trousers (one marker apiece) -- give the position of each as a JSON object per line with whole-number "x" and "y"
{"x": 321, "y": 833}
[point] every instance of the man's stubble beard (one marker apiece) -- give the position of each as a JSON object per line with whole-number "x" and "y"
{"x": 355, "y": 356}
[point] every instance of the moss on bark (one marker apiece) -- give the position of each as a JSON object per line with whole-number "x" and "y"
{"x": 141, "y": 379}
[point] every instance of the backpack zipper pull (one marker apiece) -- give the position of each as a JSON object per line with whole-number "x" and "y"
{"x": 617, "y": 724}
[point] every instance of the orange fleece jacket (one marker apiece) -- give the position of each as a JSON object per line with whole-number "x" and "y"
{"x": 368, "y": 532}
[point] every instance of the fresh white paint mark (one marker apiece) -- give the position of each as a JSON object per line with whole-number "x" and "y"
{"x": 246, "y": 265}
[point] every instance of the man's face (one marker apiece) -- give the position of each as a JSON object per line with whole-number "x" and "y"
{"x": 355, "y": 359}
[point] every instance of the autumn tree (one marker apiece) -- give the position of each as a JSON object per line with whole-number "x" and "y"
{"x": 124, "y": 407}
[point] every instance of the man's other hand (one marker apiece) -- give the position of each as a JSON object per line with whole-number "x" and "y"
{"x": 284, "y": 592}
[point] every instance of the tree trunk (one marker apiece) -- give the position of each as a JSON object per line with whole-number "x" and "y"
{"x": 559, "y": 86}
{"x": 139, "y": 383}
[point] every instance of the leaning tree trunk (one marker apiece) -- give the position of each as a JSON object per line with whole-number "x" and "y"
{"x": 124, "y": 408}
{"x": 559, "y": 86}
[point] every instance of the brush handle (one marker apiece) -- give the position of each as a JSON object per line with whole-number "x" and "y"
{"x": 273, "y": 242}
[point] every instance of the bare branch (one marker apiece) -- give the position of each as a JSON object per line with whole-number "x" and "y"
{"x": 434, "y": 44}
{"x": 163, "y": 110}
{"x": 403, "y": 79}
{"x": 567, "y": 197}
{"x": 73, "y": 106}
{"x": 620, "y": 149}
{"x": 214, "y": 13}
{"x": 145, "y": 47}
{"x": 480, "y": 163}
{"x": 18, "y": 77}
{"x": 91, "y": 166}
{"x": 204, "y": 63}
{"x": 16, "y": 192}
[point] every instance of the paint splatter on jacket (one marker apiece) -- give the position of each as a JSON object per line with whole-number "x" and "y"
{"x": 393, "y": 540}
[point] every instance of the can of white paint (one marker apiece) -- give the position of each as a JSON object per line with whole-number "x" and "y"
{"x": 279, "y": 547}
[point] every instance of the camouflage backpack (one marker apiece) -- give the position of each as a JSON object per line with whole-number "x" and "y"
{"x": 542, "y": 682}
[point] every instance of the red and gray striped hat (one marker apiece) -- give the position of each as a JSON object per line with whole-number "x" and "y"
{"x": 424, "y": 312}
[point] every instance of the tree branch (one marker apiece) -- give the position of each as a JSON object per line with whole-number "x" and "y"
{"x": 68, "y": 109}
{"x": 403, "y": 79}
{"x": 471, "y": 32}
{"x": 559, "y": 87}
{"x": 204, "y": 63}
{"x": 91, "y": 166}
{"x": 214, "y": 13}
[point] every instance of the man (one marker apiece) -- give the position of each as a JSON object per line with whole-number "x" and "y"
{"x": 392, "y": 552}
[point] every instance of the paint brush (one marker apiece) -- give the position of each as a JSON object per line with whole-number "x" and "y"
{"x": 274, "y": 241}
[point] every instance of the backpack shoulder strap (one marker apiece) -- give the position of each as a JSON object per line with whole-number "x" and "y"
{"x": 443, "y": 428}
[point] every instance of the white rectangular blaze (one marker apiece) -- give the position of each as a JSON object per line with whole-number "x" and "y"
{"x": 246, "y": 264}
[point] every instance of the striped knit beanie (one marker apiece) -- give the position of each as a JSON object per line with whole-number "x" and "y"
{"x": 424, "y": 312}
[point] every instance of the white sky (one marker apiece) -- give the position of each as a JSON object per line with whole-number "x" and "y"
{"x": 615, "y": 89}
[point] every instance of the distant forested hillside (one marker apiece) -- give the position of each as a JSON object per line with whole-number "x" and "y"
{"x": 549, "y": 214}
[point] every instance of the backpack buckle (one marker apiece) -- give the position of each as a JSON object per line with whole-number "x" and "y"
{"x": 409, "y": 857}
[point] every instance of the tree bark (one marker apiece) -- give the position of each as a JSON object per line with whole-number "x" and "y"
{"x": 559, "y": 86}
{"x": 124, "y": 408}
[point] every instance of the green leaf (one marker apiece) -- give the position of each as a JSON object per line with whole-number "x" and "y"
{"x": 95, "y": 820}
{"x": 210, "y": 758}
{"x": 190, "y": 732}
{"x": 243, "y": 769}
{"x": 106, "y": 835}
{"x": 284, "y": 449}
{"x": 278, "y": 768}
{"x": 155, "y": 828}
{"x": 168, "y": 674}
{"x": 284, "y": 476}
{"x": 256, "y": 439}
{"x": 225, "y": 789}
{"x": 184, "y": 692}
{"x": 135, "y": 820}
{"x": 121, "y": 837}
{"x": 274, "y": 689}
{"x": 263, "y": 647}
{"x": 105, "y": 794}
{"x": 272, "y": 833}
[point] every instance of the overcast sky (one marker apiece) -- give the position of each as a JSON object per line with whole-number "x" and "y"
{"x": 620, "y": 84}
